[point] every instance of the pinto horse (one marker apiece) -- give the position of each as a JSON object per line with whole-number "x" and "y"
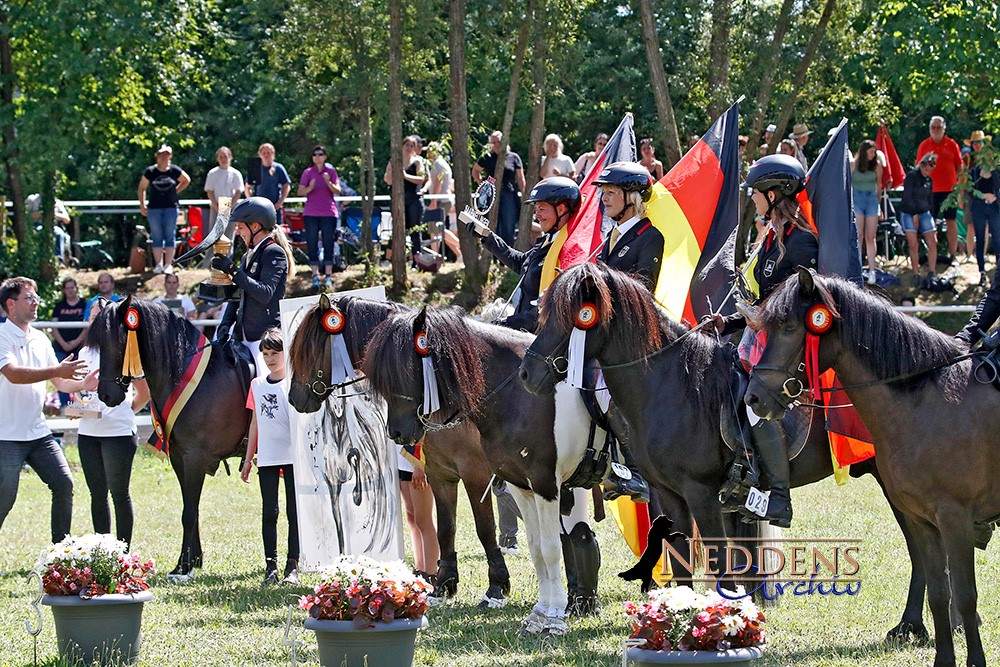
{"x": 672, "y": 386}
{"x": 214, "y": 421}
{"x": 534, "y": 443}
{"x": 451, "y": 455}
{"x": 936, "y": 429}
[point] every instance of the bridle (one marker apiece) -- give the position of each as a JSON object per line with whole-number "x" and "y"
{"x": 458, "y": 416}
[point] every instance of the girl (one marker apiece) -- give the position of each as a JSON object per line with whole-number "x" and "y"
{"x": 866, "y": 182}
{"x": 270, "y": 440}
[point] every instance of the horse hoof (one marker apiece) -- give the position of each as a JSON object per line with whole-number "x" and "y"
{"x": 905, "y": 631}
{"x": 554, "y": 627}
{"x": 487, "y": 602}
{"x": 532, "y": 625}
{"x": 180, "y": 578}
{"x": 435, "y": 601}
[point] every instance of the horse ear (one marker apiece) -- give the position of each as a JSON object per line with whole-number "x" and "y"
{"x": 324, "y": 302}
{"x": 123, "y": 308}
{"x": 807, "y": 286}
{"x": 420, "y": 321}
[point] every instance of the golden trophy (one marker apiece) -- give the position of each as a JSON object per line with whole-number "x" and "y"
{"x": 219, "y": 286}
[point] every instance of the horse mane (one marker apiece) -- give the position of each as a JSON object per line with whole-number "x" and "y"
{"x": 888, "y": 342}
{"x": 393, "y": 367}
{"x": 634, "y": 323}
{"x": 163, "y": 336}
{"x": 362, "y": 317}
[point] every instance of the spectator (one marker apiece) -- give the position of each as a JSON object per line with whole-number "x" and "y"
{"x": 510, "y": 187}
{"x": 319, "y": 184}
{"x": 165, "y": 181}
{"x": 274, "y": 181}
{"x": 179, "y": 303}
{"x": 769, "y": 133}
{"x": 915, "y": 216}
{"x": 105, "y": 289}
{"x": 800, "y": 135}
{"x": 414, "y": 177}
{"x": 554, "y": 162}
{"x": 587, "y": 160}
{"x": 418, "y": 503}
{"x": 788, "y": 147}
{"x": 64, "y": 243}
{"x": 983, "y": 203}
{"x": 26, "y": 363}
{"x": 440, "y": 182}
{"x": 866, "y": 183}
{"x": 107, "y": 447}
{"x": 945, "y": 174}
{"x": 223, "y": 181}
{"x": 68, "y": 341}
{"x": 648, "y": 160}
{"x": 966, "y": 206}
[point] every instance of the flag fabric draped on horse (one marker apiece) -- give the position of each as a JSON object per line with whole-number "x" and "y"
{"x": 696, "y": 208}
{"x": 894, "y": 173}
{"x": 578, "y": 240}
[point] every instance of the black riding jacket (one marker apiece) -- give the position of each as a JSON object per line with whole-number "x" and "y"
{"x": 529, "y": 264}
{"x": 638, "y": 251}
{"x": 261, "y": 278}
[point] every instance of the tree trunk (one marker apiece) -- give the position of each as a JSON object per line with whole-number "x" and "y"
{"x": 476, "y": 265}
{"x": 661, "y": 91}
{"x": 539, "y": 70}
{"x": 367, "y": 184}
{"x": 800, "y": 74}
{"x": 11, "y": 153}
{"x": 767, "y": 65}
{"x": 399, "y": 258}
{"x": 718, "y": 58}
{"x": 47, "y": 271}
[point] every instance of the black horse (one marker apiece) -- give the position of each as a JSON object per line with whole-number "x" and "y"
{"x": 451, "y": 454}
{"x": 534, "y": 443}
{"x": 672, "y": 386}
{"x": 936, "y": 430}
{"x": 213, "y": 423}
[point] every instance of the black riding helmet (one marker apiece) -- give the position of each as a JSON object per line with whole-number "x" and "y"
{"x": 556, "y": 190}
{"x": 776, "y": 172}
{"x": 255, "y": 209}
{"x": 629, "y": 176}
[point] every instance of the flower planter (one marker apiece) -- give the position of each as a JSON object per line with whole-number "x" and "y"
{"x": 386, "y": 645}
{"x": 737, "y": 657}
{"x": 104, "y": 628}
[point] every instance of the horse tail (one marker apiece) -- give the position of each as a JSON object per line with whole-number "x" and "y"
{"x": 282, "y": 240}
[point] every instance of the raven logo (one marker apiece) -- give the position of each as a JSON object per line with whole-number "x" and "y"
{"x": 269, "y": 406}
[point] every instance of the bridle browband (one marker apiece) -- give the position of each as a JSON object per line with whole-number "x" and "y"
{"x": 458, "y": 415}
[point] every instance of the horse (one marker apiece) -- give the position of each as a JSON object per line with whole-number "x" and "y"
{"x": 213, "y": 423}
{"x": 936, "y": 430}
{"x": 451, "y": 454}
{"x": 533, "y": 443}
{"x": 672, "y": 386}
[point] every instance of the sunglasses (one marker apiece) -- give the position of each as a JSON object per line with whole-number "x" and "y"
{"x": 319, "y": 154}
{"x": 978, "y": 142}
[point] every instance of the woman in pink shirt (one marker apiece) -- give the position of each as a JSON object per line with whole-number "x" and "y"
{"x": 319, "y": 184}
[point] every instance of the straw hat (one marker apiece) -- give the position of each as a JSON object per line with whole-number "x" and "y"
{"x": 800, "y": 130}
{"x": 978, "y": 135}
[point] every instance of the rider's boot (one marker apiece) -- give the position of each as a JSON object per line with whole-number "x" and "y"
{"x": 987, "y": 313}
{"x": 770, "y": 445}
{"x": 582, "y": 556}
{"x": 624, "y": 479}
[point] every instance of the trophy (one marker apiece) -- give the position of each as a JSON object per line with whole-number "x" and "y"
{"x": 219, "y": 286}
{"x": 482, "y": 202}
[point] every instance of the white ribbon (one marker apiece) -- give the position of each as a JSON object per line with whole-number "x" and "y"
{"x": 341, "y": 367}
{"x": 432, "y": 398}
{"x": 574, "y": 357}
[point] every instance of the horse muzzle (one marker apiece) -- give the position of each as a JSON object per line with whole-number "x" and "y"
{"x": 303, "y": 399}
{"x": 764, "y": 402}
{"x": 537, "y": 376}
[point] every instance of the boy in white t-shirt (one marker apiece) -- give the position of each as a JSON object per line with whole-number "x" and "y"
{"x": 270, "y": 439}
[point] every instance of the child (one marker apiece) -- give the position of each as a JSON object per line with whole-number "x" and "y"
{"x": 270, "y": 438}
{"x": 915, "y": 217}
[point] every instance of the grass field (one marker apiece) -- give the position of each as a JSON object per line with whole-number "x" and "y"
{"x": 225, "y": 618}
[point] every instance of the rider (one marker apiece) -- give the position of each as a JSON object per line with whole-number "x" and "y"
{"x": 634, "y": 246}
{"x": 556, "y": 201}
{"x": 986, "y": 315}
{"x": 261, "y": 276}
{"x": 789, "y": 242}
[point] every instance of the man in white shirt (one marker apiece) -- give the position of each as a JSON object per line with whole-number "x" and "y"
{"x": 171, "y": 285}
{"x": 26, "y": 363}
{"x": 223, "y": 181}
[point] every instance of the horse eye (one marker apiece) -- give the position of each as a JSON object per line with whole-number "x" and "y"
{"x": 790, "y": 327}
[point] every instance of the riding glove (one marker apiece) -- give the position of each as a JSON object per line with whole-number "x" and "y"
{"x": 224, "y": 263}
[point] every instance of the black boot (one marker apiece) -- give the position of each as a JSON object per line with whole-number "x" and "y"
{"x": 582, "y": 556}
{"x": 633, "y": 486}
{"x": 770, "y": 445}
{"x": 987, "y": 313}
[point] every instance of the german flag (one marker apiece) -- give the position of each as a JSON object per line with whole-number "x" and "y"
{"x": 696, "y": 208}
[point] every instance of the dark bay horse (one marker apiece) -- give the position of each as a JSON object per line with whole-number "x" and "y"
{"x": 532, "y": 442}
{"x": 671, "y": 385}
{"x": 213, "y": 423}
{"x": 936, "y": 429}
{"x": 451, "y": 454}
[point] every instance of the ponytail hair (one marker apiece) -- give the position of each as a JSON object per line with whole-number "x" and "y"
{"x": 278, "y": 234}
{"x": 786, "y": 212}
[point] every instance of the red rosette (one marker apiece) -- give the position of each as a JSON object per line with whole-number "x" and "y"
{"x": 334, "y": 321}
{"x": 587, "y": 317}
{"x": 132, "y": 318}
{"x": 421, "y": 343}
{"x": 819, "y": 319}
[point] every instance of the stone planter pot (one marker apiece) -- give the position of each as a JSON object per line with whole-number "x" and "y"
{"x": 386, "y": 645}
{"x": 103, "y": 629}
{"x": 737, "y": 657}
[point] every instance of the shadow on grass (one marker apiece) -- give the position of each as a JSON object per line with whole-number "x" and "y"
{"x": 858, "y": 652}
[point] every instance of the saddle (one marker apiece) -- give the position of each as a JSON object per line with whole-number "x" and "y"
{"x": 238, "y": 356}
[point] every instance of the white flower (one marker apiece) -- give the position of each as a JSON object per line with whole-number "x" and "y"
{"x": 731, "y": 625}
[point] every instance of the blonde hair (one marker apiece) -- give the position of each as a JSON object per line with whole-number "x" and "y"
{"x": 638, "y": 204}
{"x": 269, "y": 147}
{"x": 788, "y": 211}
{"x": 555, "y": 138}
{"x": 278, "y": 234}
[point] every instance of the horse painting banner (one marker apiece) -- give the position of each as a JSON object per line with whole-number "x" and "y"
{"x": 346, "y": 473}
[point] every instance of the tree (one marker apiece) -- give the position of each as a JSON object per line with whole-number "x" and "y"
{"x": 658, "y": 79}
{"x": 718, "y": 57}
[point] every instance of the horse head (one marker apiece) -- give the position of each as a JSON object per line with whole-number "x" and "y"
{"x": 616, "y": 314}
{"x": 108, "y": 335}
{"x": 310, "y": 356}
{"x": 433, "y": 349}
{"x": 801, "y": 306}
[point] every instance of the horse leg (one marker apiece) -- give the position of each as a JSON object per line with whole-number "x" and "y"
{"x": 703, "y": 500}
{"x": 486, "y": 530}
{"x": 912, "y": 622}
{"x": 935, "y": 560}
{"x": 192, "y": 479}
{"x": 959, "y": 541}
{"x": 541, "y": 526}
{"x": 183, "y": 567}
{"x": 446, "y": 502}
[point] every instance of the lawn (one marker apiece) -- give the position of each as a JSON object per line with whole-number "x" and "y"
{"x": 225, "y": 618}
